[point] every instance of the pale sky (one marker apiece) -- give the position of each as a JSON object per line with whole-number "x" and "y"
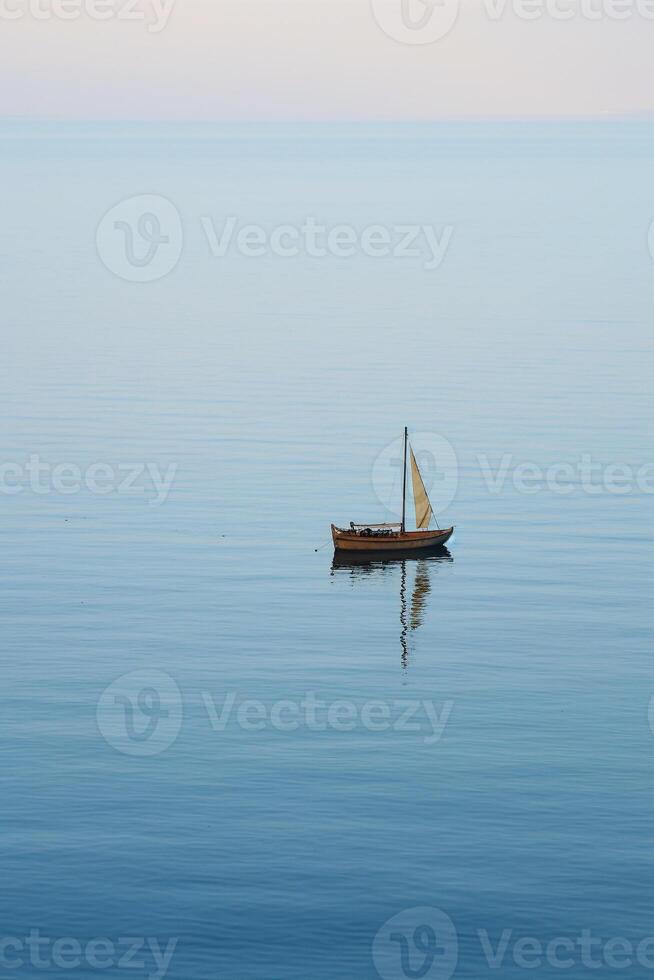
{"x": 325, "y": 59}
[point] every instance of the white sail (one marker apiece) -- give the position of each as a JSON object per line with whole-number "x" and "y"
{"x": 424, "y": 512}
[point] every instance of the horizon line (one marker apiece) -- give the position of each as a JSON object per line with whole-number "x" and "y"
{"x": 349, "y": 121}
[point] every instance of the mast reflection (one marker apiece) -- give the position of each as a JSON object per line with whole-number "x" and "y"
{"x": 361, "y": 566}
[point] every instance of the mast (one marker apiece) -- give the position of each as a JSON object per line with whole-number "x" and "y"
{"x": 406, "y": 436}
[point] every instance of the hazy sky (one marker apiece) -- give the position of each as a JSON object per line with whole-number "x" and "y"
{"x": 325, "y": 59}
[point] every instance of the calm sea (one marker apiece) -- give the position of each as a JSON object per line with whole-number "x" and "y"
{"x": 211, "y": 733}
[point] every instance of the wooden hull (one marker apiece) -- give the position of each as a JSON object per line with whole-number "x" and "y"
{"x": 408, "y": 541}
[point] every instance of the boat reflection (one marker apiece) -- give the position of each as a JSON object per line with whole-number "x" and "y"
{"x": 360, "y": 566}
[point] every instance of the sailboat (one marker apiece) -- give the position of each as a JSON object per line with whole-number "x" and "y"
{"x": 395, "y": 537}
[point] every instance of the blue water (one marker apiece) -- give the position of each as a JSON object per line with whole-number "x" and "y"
{"x": 271, "y": 385}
